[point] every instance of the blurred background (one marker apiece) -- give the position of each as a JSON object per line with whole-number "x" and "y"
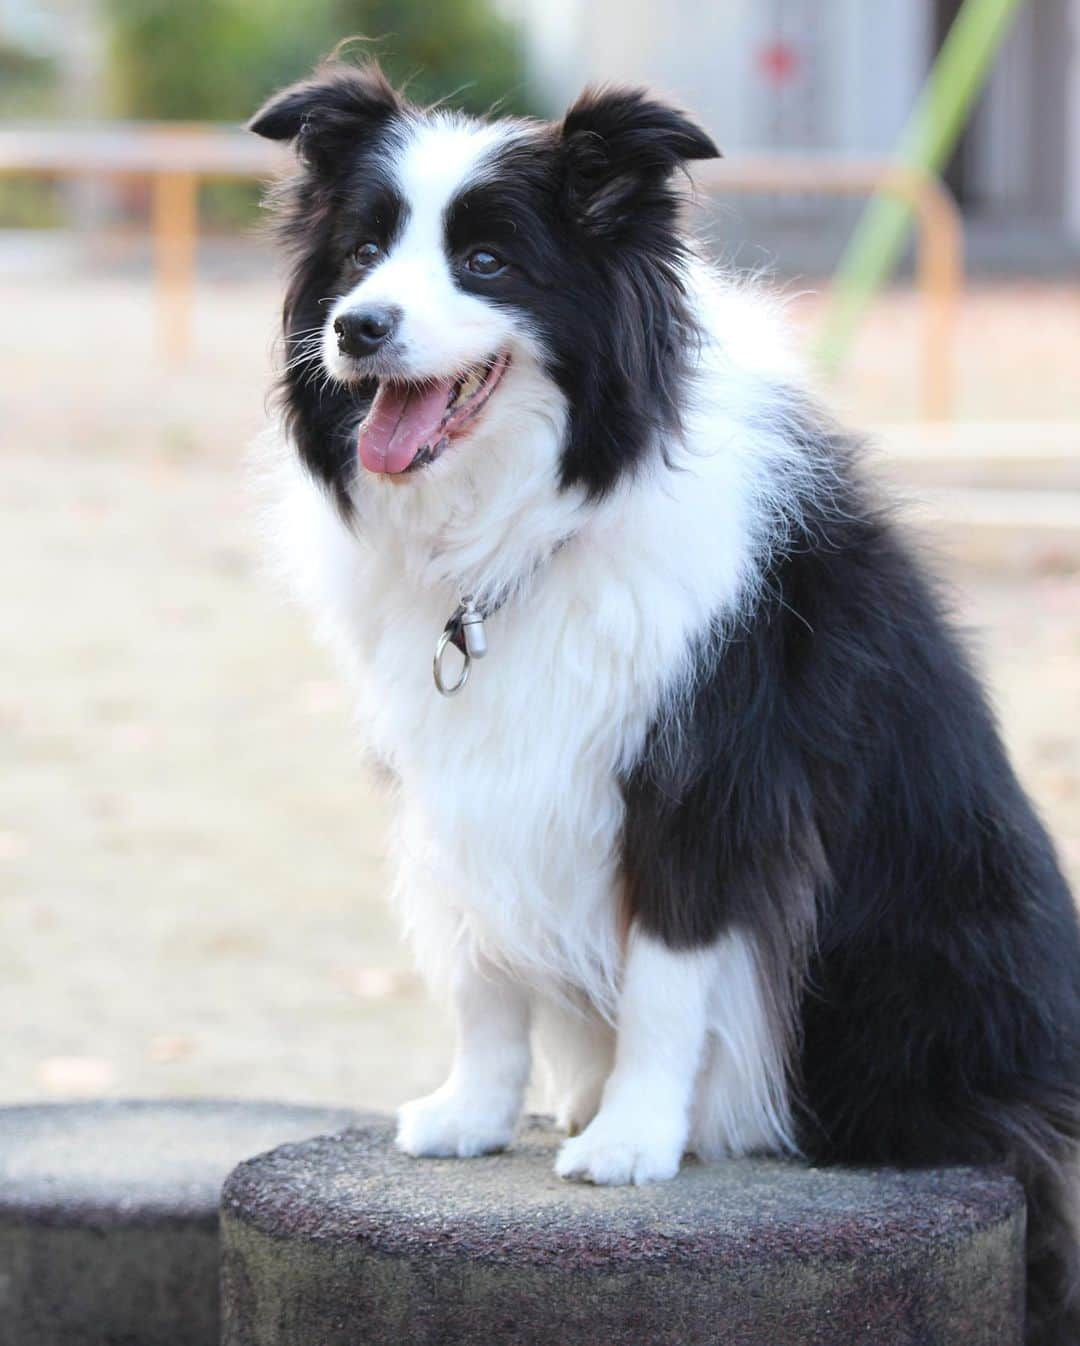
{"x": 191, "y": 870}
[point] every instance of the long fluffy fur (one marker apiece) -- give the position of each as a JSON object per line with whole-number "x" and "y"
{"x": 725, "y": 812}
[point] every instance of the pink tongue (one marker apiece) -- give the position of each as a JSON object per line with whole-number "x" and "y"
{"x": 402, "y": 420}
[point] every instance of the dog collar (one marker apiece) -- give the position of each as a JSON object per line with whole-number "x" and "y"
{"x": 465, "y": 631}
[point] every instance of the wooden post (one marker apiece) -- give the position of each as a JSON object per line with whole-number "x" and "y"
{"x": 940, "y": 265}
{"x": 175, "y": 221}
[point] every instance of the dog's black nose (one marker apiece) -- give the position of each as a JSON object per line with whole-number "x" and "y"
{"x": 363, "y": 332}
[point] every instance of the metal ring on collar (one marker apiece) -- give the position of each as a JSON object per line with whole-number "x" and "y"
{"x": 449, "y": 688}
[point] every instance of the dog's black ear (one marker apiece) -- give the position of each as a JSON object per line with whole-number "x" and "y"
{"x": 620, "y": 147}
{"x": 330, "y": 112}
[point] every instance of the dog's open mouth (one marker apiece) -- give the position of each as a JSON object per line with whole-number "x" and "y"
{"x": 410, "y": 424}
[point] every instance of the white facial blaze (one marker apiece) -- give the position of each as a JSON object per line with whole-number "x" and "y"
{"x": 443, "y": 329}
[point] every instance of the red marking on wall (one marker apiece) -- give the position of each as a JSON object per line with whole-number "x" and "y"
{"x": 779, "y": 62}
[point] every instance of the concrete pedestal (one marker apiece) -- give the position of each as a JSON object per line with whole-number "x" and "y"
{"x": 340, "y": 1241}
{"x": 109, "y": 1216}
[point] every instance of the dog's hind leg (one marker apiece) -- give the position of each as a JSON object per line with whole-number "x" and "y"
{"x": 575, "y": 1048}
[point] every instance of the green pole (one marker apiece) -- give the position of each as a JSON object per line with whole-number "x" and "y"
{"x": 928, "y": 139}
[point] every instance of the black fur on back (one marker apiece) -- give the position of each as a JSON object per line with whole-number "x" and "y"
{"x": 835, "y": 785}
{"x": 586, "y": 213}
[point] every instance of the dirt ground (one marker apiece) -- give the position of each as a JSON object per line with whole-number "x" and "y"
{"x": 191, "y": 866}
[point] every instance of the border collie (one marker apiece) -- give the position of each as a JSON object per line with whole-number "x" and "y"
{"x": 722, "y": 822}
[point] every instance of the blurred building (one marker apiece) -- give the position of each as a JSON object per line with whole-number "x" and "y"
{"x": 842, "y": 75}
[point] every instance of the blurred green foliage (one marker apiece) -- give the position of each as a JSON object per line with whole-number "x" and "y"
{"x": 27, "y": 89}
{"x": 29, "y": 203}
{"x": 217, "y": 59}
{"x": 26, "y": 81}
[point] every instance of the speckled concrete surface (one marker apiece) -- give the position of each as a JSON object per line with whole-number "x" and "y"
{"x": 109, "y": 1215}
{"x": 129, "y": 1161}
{"x": 340, "y": 1240}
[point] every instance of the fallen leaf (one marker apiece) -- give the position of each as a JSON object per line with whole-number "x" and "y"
{"x": 375, "y": 983}
{"x": 166, "y": 1048}
{"x": 75, "y": 1076}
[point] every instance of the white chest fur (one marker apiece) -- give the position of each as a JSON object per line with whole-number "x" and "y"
{"x": 508, "y": 807}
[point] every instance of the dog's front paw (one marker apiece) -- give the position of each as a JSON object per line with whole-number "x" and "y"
{"x": 615, "y": 1150}
{"x": 447, "y": 1125}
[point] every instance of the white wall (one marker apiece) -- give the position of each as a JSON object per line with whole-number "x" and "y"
{"x": 1072, "y": 123}
{"x": 860, "y": 63}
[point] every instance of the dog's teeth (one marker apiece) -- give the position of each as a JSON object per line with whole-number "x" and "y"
{"x": 469, "y": 385}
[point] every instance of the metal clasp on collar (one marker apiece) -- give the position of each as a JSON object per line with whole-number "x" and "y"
{"x": 465, "y": 631}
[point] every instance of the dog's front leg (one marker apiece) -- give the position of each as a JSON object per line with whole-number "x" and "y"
{"x": 477, "y": 1108}
{"x": 641, "y": 1130}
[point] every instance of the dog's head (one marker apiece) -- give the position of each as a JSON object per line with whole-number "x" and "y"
{"x": 457, "y": 281}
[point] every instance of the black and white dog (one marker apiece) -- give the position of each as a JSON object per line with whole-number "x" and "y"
{"x": 723, "y": 819}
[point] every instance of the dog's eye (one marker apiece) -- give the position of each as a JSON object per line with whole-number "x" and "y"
{"x": 484, "y": 263}
{"x": 366, "y": 254}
